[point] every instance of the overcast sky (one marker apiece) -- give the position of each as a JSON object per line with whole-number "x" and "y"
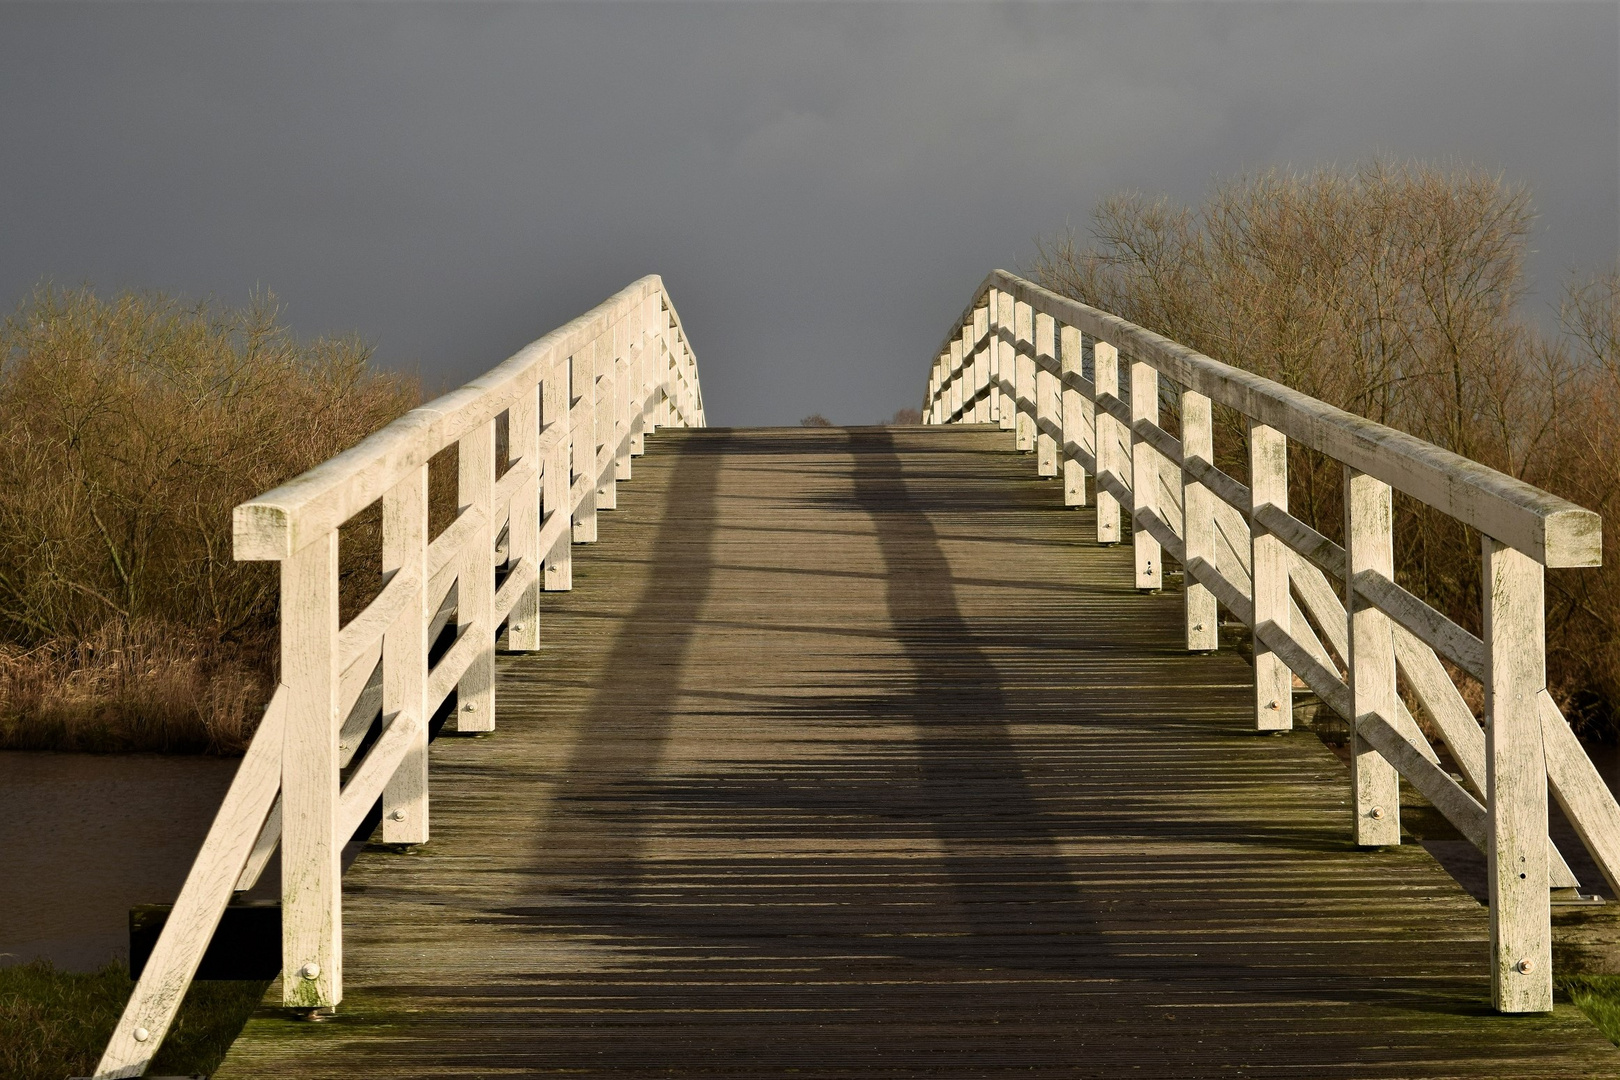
{"x": 821, "y": 185}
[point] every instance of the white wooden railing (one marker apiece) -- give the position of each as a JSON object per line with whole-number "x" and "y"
{"x": 1049, "y": 369}
{"x": 577, "y": 405}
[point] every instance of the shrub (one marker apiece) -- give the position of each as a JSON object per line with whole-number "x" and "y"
{"x": 815, "y": 420}
{"x": 129, "y": 428}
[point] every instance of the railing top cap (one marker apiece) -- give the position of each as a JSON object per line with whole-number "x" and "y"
{"x": 281, "y": 521}
{"x": 1550, "y": 529}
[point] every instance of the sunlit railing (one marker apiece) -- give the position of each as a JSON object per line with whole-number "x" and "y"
{"x": 574, "y": 407}
{"x": 1049, "y": 369}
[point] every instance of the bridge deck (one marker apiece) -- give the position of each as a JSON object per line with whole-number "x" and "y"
{"x": 850, "y": 755}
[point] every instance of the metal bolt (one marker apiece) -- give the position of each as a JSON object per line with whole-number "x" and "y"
{"x": 141, "y": 1034}
{"x": 1150, "y": 568}
{"x": 311, "y": 970}
{"x": 1198, "y": 626}
{"x": 1376, "y": 812}
{"x": 471, "y": 706}
{"x": 1524, "y": 967}
{"x": 398, "y": 815}
{"x": 517, "y": 626}
{"x": 1275, "y": 704}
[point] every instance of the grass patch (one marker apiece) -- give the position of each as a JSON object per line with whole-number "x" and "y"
{"x": 1599, "y": 998}
{"x": 54, "y": 1024}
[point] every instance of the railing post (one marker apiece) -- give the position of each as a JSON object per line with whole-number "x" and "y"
{"x": 1105, "y": 372}
{"x": 607, "y": 420}
{"x": 954, "y": 372}
{"x": 1197, "y": 521}
{"x": 523, "y": 521}
{"x": 1144, "y": 477}
{"x": 640, "y": 419}
{"x": 934, "y": 410}
{"x": 1516, "y": 779}
{"x": 475, "y": 581}
{"x": 404, "y": 658}
{"x": 981, "y": 365}
{"x": 970, "y": 372}
{"x": 1006, "y": 364}
{"x": 1268, "y": 483}
{"x": 1079, "y": 420}
{"x": 1369, "y": 543}
{"x": 623, "y": 383}
{"x": 1046, "y": 395}
{"x": 582, "y": 456}
{"x": 1024, "y": 376}
{"x": 311, "y": 877}
{"x": 555, "y": 495}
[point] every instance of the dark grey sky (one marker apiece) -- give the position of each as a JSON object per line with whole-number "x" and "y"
{"x": 820, "y": 185}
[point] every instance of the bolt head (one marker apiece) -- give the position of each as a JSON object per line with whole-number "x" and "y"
{"x": 398, "y": 815}
{"x": 1376, "y": 812}
{"x": 1524, "y": 967}
{"x": 517, "y": 626}
{"x": 1275, "y": 705}
{"x": 471, "y": 706}
{"x": 311, "y": 970}
{"x": 141, "y": 1034}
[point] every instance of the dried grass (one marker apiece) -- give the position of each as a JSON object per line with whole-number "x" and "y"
{"x": 128, "y": 430}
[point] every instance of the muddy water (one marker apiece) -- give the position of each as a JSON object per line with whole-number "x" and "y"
{"x": 85, "y": 836}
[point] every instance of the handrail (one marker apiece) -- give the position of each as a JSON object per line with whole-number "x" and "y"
{"x": 578, "y": 404}
{"x": 1015, "y": 357}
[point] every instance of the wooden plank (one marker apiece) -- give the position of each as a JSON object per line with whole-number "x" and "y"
{"x": 521, "y": 499}
{"x": 475, "y": 584}
{"x": 1048, "y": 423}
{"x": 311, "y": 905}
{"x": 1079, "y": 417}
{"x": 582, "y": 441}
{"x": 1006, "y": 363}
{"x": 1199, "y": 617}
{"x": 1268, "y": 560}
{"x": 1110, "y": 467}
{"x": 1024, "y": 377}
{"x": 405, "y": 649}
{"x": 1145, "y": 475}
{"x": 1369, "y": 535}
{"x": 1516, "y": 783}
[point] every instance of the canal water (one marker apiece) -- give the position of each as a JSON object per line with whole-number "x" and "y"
{"x": 83, "y": 837}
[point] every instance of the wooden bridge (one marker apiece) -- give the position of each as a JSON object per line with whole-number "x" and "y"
{"x": 894, "y": 751}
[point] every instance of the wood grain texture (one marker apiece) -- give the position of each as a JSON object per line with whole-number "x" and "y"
{"x": 864, "y": 797}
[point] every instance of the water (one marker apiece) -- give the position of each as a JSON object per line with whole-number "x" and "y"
{"x": 83, "y": 837}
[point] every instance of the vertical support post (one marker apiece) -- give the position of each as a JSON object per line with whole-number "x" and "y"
{"x": 1369, "y": 544}
{"x": 953, "y": 372}
{"x": 556, "y": 482}
{"x": 1516, "y": 779}
{"x": 970, "y": 374}
{"x": 523, "y": 522}
{"x": 1006, "y": 364}
{"x": 1046, "y": 396}
{"x": 992, "y": 351}
{"x": 1079, "y": 420}
{"x": 1105, "y": 372}
{"x": 643, "y": 352}
{"x": 623, "y": 383}
{"x": 981, "y": 365}
{"x": 1268, "y": 483}
{"x": 1145, "y": 476}
{"x": 607, "y": 399}
{"x": 936, "y": 407}
{"x": 582, "y": 454}
{"x": 311, "y": 877}
{"x": 1024, "y": 373}
{"x": 475, "y": 581}
{"x": 1198, "y": 521}
{"x": 404, "y": 659}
